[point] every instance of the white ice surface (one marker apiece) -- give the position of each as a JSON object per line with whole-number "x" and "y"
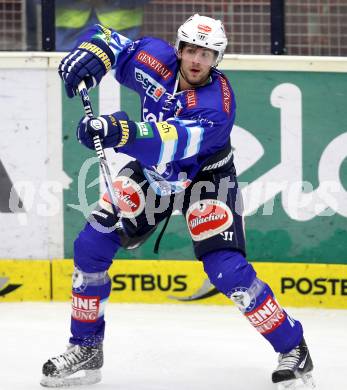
{"x": 168, "y": 347}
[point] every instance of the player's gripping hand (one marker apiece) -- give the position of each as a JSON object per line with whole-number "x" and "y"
{"x": 112, "y": 129}
{"x": 90, "y": 61}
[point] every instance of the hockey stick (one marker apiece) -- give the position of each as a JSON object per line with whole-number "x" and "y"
{"x": 82, "y": 89}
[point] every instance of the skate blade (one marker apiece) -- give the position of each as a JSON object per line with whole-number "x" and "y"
{"x": 90, "y": 377}
{"x": 305, "y": 382}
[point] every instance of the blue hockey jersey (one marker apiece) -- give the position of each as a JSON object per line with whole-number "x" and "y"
{"x": 180, "y": 130}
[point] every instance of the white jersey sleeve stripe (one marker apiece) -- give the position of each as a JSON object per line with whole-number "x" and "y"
{"x": 195, "y": 135}
{"x": 167, "y": 151}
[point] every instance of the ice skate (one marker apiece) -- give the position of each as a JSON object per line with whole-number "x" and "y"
{"x": 79, "y": 365}
{"x": 294, "y": 370}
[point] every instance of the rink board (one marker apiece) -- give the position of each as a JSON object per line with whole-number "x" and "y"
{"x": 152, "y": 281}
{"x": 25, "y": 280}
{"x": 170, "y": 281}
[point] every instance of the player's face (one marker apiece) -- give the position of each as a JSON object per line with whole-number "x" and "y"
{"x": 196, "y": 63}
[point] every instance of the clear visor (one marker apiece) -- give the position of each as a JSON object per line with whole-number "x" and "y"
{"x": 199, "y": 55}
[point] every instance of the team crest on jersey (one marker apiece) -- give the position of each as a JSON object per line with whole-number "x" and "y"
{"x": 153, "y": 63}
{"x": 207, "y": 218}
{"x": 129, "y": 195}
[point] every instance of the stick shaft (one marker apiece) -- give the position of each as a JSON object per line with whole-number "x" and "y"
{"x": 105, "y": 170}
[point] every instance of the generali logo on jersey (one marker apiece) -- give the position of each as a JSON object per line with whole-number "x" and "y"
{"x": 154, "y": 64}
{"x": 226, "y": 95}
{"x": 267, "y": 317}
{"x": 85, "y": 308}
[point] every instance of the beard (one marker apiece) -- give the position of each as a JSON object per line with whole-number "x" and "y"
{"x": 195, "y": 82}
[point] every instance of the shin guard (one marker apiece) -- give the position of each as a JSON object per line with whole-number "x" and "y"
{"x": 90, "y": 293}
{"x": 93, "y": 255}
{"x": 232, "y": 275}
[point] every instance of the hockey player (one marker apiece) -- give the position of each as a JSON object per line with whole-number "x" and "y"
{"x": 183, "y": 159}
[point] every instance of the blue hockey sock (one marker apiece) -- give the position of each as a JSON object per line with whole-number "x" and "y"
{"x": 88, "y": 304}
{"x": 94, "y": 252}
{"x": 232, "y": 275}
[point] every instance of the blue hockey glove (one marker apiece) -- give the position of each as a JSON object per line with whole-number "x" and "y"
{"x": 90, "y": 61}
{"x": 113, "y": 130}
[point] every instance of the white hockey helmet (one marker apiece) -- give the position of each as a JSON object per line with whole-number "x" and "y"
{"x": 205, "y": 32}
